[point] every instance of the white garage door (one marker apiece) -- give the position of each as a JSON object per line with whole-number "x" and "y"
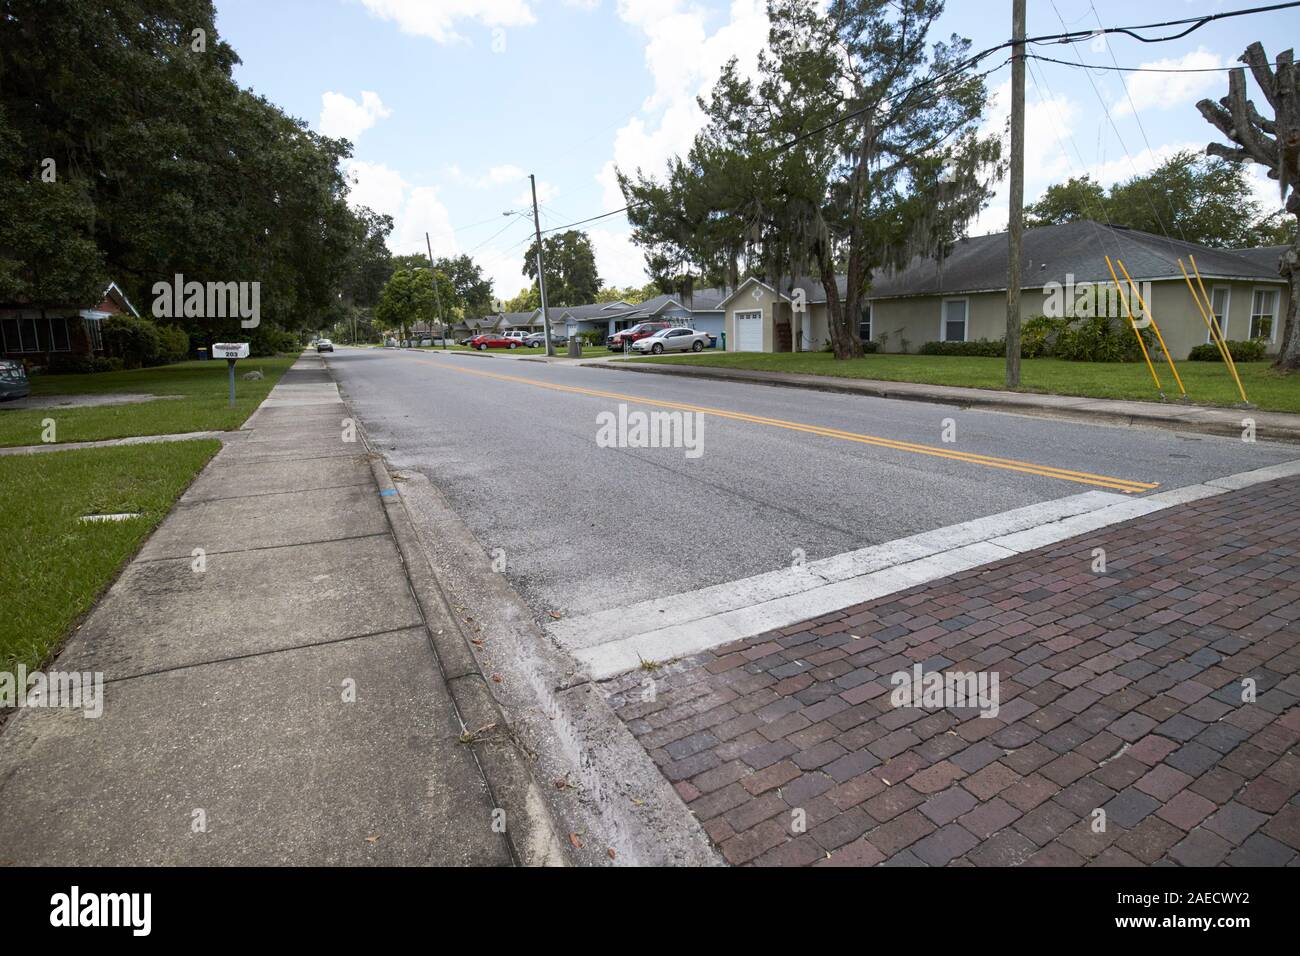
{"x": 749, "y": 332}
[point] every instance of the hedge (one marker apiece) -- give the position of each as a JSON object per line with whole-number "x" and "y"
{"x": 1250, "y": 351}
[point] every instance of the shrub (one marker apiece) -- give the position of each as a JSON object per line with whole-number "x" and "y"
{"x": 1250, "y": 351}
{"x": 1100, "y": 339}
{"x": 990, "y": 348}
{"x": 173, "y": 345}
{"x": 868, "y": 347}
{"x": 1038, "y": 336}
{"x": 265, "y": 340}
{"x": 75, "y": 364}
{"x": 135, "y": 341}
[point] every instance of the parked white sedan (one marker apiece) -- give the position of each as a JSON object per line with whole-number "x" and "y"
{"x": 674, "y": 339}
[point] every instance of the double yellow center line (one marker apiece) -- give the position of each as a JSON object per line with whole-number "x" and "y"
{"x": 1125, "y": 485}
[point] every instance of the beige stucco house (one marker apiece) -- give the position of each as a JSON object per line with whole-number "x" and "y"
{"x": 963, "y": 297}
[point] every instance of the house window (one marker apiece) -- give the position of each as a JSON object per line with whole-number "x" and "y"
{"x": 94, "y": 334}
{"x": 20, "y": 335}
{"x": 954, "y": 320}
{"x": 59, "y": 335}
{"x": 1263, "y": 312}
{"x": 35, "y": 335}
{"x": 1220, "y": 297}
{"x": 864, "y": 323}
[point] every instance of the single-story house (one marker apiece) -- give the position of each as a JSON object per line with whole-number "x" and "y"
{"x": 500, "y": 322}
{"x": 963, "y": 296}
{"x": 701, "y": 310}
{"x": 594, "y": 317}
{"x": 41, "y": 333}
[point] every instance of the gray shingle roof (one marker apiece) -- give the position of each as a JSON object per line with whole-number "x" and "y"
{"x": 1268, "y": 257}
{"x": 1076, "y": 248}
{"x": 703, "y": 300}
{"x": 593, "y": 310}
{"x": 1051, "y": 252}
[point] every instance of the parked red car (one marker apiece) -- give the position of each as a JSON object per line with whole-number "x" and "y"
{"x": 616, "y": 341}
{"x": 490, "y": 340}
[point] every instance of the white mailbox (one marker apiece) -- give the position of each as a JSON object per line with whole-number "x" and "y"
{"x": 230, "y": 350}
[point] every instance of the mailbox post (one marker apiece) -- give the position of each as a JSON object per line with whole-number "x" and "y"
{"x": 231, "y": 352}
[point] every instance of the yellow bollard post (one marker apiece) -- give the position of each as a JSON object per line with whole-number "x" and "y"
{"x": 1129, "y": 312}
{"x": 1207, "y": 314}
{"x": 1151, "y": 317}
{"x": 1216, "y": 331}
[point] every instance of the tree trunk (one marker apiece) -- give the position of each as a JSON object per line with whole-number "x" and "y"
{"x": 1288, "y": 355}
{"x": 840, "y": 345}
{"x": 849, "y": 344}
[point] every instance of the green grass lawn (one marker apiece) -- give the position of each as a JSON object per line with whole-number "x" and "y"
{"x": 55, "y": 565}
{"x": 1208, "y": 383}
{"x": 203, "y": 406}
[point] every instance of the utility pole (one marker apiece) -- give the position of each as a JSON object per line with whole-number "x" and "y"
{"x": 541, "y": 274}
{"x": 436, "y": 297}
{"x": 1016, "y": 220}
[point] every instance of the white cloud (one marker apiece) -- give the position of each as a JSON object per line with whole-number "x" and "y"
{"x": 684, "y": 61}
{"x": 1059, "y": 136}
{"x": 1049, "y": 124}
{"x": 618, "y": 260}
{"x": 345, "y": 118}
{"x": 505, "y": 267}
{"x": 545, "y": 193}
{"x": 500, "y": 175}
{"x": 376, "y": 186}
{"x": 437, "y": 18}
{"x": 415, "y": 209}
{"x": 1112, "y": 171}
{"x": 1163, "y": 91}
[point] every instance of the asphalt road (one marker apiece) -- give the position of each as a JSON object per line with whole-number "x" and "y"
{"x": 513, "y": 445}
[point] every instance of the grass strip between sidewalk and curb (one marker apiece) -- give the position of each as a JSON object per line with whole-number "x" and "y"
{"x": 203, "y": 405}
{"x": 1208, "y": 383}
{"x": 56, "y": 565}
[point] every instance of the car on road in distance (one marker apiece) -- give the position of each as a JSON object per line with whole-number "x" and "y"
{"x": 324, "y": 345}
{"x": 675, "y": 339}
{"x": 642, "y": 330}
{"x": 13, "y": 380}
{"x": 492, "y": 340}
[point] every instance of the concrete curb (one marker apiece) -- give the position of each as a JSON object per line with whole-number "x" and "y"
{"x": 505, "y": 766}
{"x": 548, "y": 720}
{"x": 1202, "y": 419}
{"x": 612, "y": 798}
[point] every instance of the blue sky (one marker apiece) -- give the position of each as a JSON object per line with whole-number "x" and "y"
{"x": 451, "y": 103}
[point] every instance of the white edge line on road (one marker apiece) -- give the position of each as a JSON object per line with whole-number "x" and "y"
{"x": 612, "y": 642}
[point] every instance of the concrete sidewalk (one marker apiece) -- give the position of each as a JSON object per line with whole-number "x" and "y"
{"x": 278, "y": 701}
{"x": 1176, "y": 416}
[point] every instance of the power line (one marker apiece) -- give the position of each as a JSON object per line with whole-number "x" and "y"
{"x": 1197, "y": 22}
{"x": 1068, "y": 37}
{"x": 1132, "y": 69}
{"x": 1114, "y": 128}
{"x": 1128, "y": 93}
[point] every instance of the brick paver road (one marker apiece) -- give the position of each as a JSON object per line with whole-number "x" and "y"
{"x": 1119, "y": 691}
